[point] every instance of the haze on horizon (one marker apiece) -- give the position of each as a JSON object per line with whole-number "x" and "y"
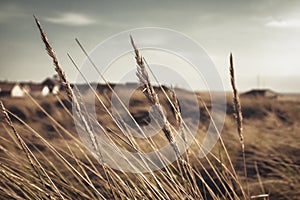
{"x": 264, "y": 36}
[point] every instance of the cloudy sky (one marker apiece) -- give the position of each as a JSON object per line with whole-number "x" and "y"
{"x": 264, "y": 36}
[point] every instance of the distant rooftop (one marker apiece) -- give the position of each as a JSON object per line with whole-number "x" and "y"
{"x": 261, "y": 93}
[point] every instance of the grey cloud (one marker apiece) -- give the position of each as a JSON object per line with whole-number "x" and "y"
{"x": 71, "y": 19}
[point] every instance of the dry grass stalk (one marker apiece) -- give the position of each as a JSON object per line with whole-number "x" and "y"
{"x": 259, "y": 179}
{"x": 238, "y": 115}
{"x": 236, "y": 104}
{"x": 67, "y": 87}
{"x": 152, "y": 96}
{"x": 177, "y": 113}
{"x": 64, "y": 82}
{"x": 63, "y": 79}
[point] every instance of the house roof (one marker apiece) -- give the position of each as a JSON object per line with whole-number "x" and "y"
{"x": 50, "y": 82}
{"x": 260, "y": 92}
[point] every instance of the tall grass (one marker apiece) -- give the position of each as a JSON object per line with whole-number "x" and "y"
{"x": 66, "y": 169}
{"x": 238, "y": 115}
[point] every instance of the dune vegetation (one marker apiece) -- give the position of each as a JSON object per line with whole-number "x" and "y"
{"x": 42, "y": 156}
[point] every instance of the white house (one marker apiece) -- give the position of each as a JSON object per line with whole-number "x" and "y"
{"x": 45, "y": 90}
{"x": 11, "y": 89}
{"x": 55, "y": 89}
{"x": 17, "y": 91}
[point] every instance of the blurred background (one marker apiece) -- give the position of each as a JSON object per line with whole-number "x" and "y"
{"x": 262, "y": 35}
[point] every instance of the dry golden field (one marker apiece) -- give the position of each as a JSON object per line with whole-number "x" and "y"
{"x": 271, "y": 132}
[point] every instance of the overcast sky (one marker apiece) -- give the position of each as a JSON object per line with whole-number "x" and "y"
{"x": 264, "y": 36}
